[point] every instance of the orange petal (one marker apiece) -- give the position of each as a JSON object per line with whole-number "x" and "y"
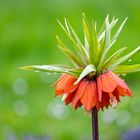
{"x": 79, "y": 92}
{"x": 105, "y": 100}
{"x": 95, "y": 96}
{"x": 124, "y": 92}
{"x": 98, "y": 106}
{"x": 88, "y": 99}
{"x": 116, "y": 94}
{"x": 122, "y": 84}
{"x": 107, "y": 84}
{"x": 59, "y": 90}
{"x": 79, "y": 104}
{"x": 61, "y": 77}
{"x": 69, "y": 98}
{"x": 99, "y": 88}
{"x": 66, "y": 84}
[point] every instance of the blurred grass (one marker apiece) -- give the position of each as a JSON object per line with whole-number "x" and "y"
{"x": 27, "y": 36}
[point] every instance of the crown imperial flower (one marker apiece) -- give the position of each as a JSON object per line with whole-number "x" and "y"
{"x": 94, "y": 80}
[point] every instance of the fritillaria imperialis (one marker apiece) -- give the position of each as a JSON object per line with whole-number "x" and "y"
{"x": 93, "y": 81}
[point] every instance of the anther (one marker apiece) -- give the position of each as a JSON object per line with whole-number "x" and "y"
{"x": 113, "y": 101}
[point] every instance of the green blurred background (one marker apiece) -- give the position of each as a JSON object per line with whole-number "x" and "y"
{"x": 28, "y": 109}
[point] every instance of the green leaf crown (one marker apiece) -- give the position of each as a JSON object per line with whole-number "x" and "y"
{"x": 91, "y": 58}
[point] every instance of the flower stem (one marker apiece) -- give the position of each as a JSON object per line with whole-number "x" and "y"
{"x": 95, "y": 135}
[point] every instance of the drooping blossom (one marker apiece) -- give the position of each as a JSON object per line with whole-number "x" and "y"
{"x": 93, "y": 81}
{"x": 100, "y": 92}
{"x": 110, "y": 88}
{"x": 83, "y": 93}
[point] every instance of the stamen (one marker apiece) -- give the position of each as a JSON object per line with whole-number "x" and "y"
{"x": 113, "y": 101}
{"x": 64, "y": 96}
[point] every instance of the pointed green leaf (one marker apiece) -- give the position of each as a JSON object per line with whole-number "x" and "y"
{"x": 107, "y": 32}
{"x": 106, "y": 51}
{"x": 113, "y": 22}
{"x": 78, "y": 45}
{"x": 88, "y": 69}
{"x": 69, "y": 53}
{"x": 64, "y": 29}
{"x": 67, "y": 31}
{"x": 119, "y": 30}
{"x": 99, "y": 53}
{"x": 112, "y": 58}
{"x": 123, "y": 69}
{"x": 67, "y": 27}
{"x": 88, "y": 35}
{"x": 95, "y": 43}
{"x": 101, "y": 38}
{"x": 53, "y": 68}
{"x": 106, "y": 42}
{"x": 125, "y": 58}
{"x": 102, "y": 32}
{"x": 86, "y": 44}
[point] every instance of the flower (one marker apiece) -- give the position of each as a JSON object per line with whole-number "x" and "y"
{"x": 83, "y": 93}
{"x": 93, "y": 80}
{"x": 110, "y": 88}
{"x": 101, "y": 92}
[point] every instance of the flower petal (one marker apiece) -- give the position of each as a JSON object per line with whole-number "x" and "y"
{"x": 116, "y": 94}
{"x": 124, "y": 92}
{"x": 98, "y": 106}
{"x": 88, "y": 98}
{"x": 78, "y": 104}
{"x": 95, "y": 97}
{"x": 105, "y": 100}
{"x": 65, "y": 84}
{"x": 122, "y": 86}
{"x": 79, "y": 92}
{"x": 107, "y": 83}
{"x": 99, "y": 88}
{"x": 59, "y": 82}
{"x": 69, "y": 98}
